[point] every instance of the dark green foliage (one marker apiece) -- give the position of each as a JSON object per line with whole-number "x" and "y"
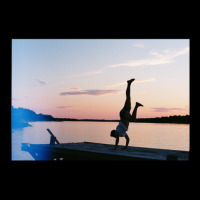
{"x": 171, "y": 119}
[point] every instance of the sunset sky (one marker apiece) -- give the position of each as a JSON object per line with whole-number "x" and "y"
{"x": 86, "y": 78}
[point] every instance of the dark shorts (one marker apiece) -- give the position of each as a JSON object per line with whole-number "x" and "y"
{"x": 123, "y": 111}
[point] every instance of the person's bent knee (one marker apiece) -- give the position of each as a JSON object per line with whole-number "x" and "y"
{"x": 127, "y": 116}
{"x": 132, "y": 120}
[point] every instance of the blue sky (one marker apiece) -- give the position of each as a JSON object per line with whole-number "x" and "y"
{"x": 86, "y": 78}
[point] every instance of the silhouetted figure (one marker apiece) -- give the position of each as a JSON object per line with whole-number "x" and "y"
{"x": 125, "y": 118}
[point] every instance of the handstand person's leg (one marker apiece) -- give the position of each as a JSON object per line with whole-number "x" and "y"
{"x": 135, "y": 111}
{"x": 127, "y": 104}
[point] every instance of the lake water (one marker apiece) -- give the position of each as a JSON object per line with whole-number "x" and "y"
{"x": 150, "y": 135}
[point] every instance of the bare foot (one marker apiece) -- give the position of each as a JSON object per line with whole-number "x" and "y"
{"x": 138, "y": 104}
{"x": 130, "y": 81}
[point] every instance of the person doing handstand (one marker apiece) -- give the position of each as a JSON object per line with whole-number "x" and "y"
{"x": 125, "y": 118}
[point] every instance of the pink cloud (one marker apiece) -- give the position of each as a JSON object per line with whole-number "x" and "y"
{"x": 165, "y": 109}
{"x": 90, "y": 92}
{"x": 41, "y": 82}
{"x": 64, "y": 106}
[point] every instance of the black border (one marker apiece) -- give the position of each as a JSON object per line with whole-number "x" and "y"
{"x": 46, "y": 34}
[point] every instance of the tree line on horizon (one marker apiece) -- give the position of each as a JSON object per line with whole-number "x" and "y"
{"x": 171, "y": 119}
{"x": 21, "y": 116}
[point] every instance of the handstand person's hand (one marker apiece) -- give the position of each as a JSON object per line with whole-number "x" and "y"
{"x": 125, "y": 148}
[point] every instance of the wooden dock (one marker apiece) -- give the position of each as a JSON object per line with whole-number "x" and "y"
{"x": 98, "y": 151}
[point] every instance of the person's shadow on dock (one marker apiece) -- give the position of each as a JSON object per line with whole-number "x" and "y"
{"x": 120, "y": 149}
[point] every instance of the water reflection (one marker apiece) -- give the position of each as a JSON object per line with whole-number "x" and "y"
{"x": 163, "y": 136}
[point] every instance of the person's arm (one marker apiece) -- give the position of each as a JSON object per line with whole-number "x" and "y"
{"x": 127, "y": 141}
{"x": 116, "y": 142}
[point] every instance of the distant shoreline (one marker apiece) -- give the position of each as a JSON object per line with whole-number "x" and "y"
{"x": 139, "y": 120}
{"x": 21, "y": 118}
{"x": 20, "y": 124}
